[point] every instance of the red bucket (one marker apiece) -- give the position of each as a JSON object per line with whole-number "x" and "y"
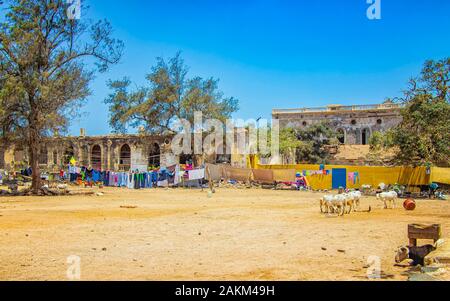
{"x": 409, "y": 204}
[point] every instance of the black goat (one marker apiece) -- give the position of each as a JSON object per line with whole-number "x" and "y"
{"x": 417, "y": 254}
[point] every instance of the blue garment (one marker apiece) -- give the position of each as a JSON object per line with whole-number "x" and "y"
{"x": 96, "y": 176}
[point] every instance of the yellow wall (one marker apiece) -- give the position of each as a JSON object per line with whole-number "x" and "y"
{"x": 440, "y": 175}
{"x": 368, "y": 175}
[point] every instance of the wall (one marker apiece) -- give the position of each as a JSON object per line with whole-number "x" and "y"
{"x": 140, "y": 146}
{"x": 368, "y": 175}
{"x": 342, "y": 120}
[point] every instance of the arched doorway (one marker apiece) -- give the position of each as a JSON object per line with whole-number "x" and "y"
{"x": 68, "y": 154}
{"x": 125, "y": 158}
{"x": 55, "y": 158}
{"x": 341, "y": 136}
{"x": 96, "y": 157}
{"x": 365, "y": 136}
{"x": 154, "y": 156}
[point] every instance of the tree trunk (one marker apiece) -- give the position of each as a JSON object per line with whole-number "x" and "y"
{"x": 34, "y": 144}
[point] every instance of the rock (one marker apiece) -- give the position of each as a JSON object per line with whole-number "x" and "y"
{"x": 324, "y": 249}
{"x": 104, "y": 249}
{"x": 341, "y": 251}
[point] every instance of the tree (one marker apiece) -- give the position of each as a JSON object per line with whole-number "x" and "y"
{"x": 307, "y": 144}
{"x": 315, "y": 140}
{"x": 43, "y": 71}
{"x": 168, "y": 96}
{"x": 289, "y": 142}
{"x": 423, "y": 136}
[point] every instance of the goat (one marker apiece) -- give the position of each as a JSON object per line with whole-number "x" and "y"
{"x": 417, "y": 254}
{"x": 326, "y": 204}
{"x": 355, "y": 196}
{"x": 386, "y": 197}
{"x": 333, "y": 204}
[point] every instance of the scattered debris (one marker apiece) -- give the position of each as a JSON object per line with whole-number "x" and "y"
{"x": 128, "y": 207}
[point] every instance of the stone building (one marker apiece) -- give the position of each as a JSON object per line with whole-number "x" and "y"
{"x": 111, "y": 152}
{"x": 355, "y": 123}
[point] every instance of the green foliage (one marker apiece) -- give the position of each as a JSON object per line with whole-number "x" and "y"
{"x": 423, "y": 137}
{"x": 315, "y": 139}
{"x": 289, "y": 141}
{"x": 168, "y": 96}
{"x": 308, "y": 144}
{"x": 43, "y": 76}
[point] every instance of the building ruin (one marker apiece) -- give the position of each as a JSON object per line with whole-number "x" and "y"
{"x": 356, "y": 124}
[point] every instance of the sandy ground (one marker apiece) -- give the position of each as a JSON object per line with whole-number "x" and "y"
{"x": 184, "y": 235}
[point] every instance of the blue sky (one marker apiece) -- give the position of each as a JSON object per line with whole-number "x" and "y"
{"x": 275, "y": 54}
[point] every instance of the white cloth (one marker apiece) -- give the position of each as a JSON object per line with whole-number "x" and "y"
{"x": 177, "y": 175}
{"x": 196, "y": 174}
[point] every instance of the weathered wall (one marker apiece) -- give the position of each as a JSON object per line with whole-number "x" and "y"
{"x": 351, "y": 123}
{"x": 60, "y": 149}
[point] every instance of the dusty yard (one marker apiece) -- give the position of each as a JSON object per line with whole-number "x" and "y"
{"x": 184, "y": 235}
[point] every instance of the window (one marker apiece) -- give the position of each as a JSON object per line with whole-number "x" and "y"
{"x": 354, "y": 122}
{"x": 305, "y": 123}
{"x": 379, "y": 121}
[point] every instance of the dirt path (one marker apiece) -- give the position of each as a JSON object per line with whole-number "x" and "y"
{"x": 184, "y": 235}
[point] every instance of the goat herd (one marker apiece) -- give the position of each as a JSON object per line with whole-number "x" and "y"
{"x": 349, "y": 202}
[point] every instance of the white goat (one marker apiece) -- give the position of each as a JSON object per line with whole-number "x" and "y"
{"x": 386, "y": 197}
{"x": 355, "y": 196}
{"x": 326, "y": 204}
{"x": 333, "y": 204}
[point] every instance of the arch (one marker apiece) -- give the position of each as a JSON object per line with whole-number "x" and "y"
{"x": 55, "y": 157}
{"x": 342, "y": 136}
{"x": 96, "y": 157}
{"x": 365, "y": 136}
{"x": 68, "y": 154}
{"x": 154, "y": 156}
{"x": 43, "y": 156}
{"x": 125, "y": 157}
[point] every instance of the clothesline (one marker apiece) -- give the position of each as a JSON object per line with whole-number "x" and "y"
{"x": 163, "y": 177}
